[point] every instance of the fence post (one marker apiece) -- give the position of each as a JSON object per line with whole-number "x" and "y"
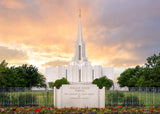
{"x": 39, "y": 96}
{"x": 159, "y": 94}
{"x": 118, "y": 98}
{"x": 46, "y": 95}
{"x": 111, "y": 98}
{"x": 25, "y": 95}
{"x": 18, "y": 96}
{"x": 32, "y": 97}
{"x": 3, "y": 97}
{"x": 139, "y": 97}
{"x": 153, "y": 96}
{"x": 132, "y": 96}
{"x": 52, "y": 96}
{"x": 146, "y": 97}
{"x": 125, "y": 98}
{"x": 10, "y": 96}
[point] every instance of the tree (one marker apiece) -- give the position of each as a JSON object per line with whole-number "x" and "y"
{"x": 147, "y": 76}
{"x": 20, "y": 76}
{"x": 103, "y": 82}
{"x": 153, "y": 61}
{"x": 151, "y": 74}
{"x": 3, "y": 65}
{"x": 33, "y": 77}
{"x": 14, "y": 77}
{"x": 129, "y": 77}
{"x": 58, "y": 83}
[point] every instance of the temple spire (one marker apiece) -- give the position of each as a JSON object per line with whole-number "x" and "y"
{"x": 79, "y": 12}
{"x": 80, "y": 28}
{"x": 79, "y": 47}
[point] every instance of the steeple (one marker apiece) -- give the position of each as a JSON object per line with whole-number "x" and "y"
{"x": 80, "y": 39}
{"x": 79, "y": 47}
{"x": 79, "y": 12}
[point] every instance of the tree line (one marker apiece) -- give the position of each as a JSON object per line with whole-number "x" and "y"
{"x": 20, "y": 76}
{"x": 147, "y": 75}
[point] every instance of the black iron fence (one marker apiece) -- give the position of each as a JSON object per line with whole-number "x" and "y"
{"x": 133, "y": 96}
{"x": 22, "y": 96}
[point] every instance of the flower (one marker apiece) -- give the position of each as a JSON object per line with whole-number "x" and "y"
{"x": 1, "y": 109}
{"x": 10, "y": 108}
{"x": 108, "y": 109}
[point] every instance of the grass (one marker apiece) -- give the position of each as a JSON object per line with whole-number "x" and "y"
{"x": 37, "y": 98}
{"x": 138, "y": 98}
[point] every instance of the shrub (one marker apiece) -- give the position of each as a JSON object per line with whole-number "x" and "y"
{"x": 60, "y": 82}
{"x": 103, "y": 82}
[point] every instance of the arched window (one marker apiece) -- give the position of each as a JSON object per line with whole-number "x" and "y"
{"x": 66, "y": 73}
{"x": 92, "y": 75}
{"x": 79, "y": 52}
{"x": 79, "y": 75}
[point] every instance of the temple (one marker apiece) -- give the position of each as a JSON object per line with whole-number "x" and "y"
{"x": 79, "y": 69}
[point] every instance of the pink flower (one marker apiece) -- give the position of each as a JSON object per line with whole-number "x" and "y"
{"x": 2, "y": 109}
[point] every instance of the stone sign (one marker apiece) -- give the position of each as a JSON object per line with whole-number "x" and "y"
{"x": 79, "y": 95}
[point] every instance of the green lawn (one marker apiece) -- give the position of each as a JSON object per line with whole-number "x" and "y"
{"x": 132, "y": 98}
{"x": 34, "y": 98}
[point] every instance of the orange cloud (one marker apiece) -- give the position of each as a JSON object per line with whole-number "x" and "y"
{"x": 45, "y": 30}
{"x": 12, "y": 4}
{"x": 55, "y": 63}
{"x": 13, "y": 56}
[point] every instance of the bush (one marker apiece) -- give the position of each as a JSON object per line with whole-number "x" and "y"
{"x": 103, "y": 82}
{"x": 60, "y": 82}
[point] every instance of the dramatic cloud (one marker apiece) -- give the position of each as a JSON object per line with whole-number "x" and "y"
{"x": 133, "y": 26}
{"x": 13, "y": 56}
{"x": 55, "y": 63}
{"x": 12, "y": 4}
{"x": 118, "y": 34}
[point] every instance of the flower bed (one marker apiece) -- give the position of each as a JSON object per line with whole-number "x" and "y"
{"x": 52, "y": 110}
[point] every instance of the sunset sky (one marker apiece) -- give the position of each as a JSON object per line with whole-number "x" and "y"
{"x": 118, "y": 33}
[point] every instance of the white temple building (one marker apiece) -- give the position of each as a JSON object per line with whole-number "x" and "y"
{"x": 79, "y": 69}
